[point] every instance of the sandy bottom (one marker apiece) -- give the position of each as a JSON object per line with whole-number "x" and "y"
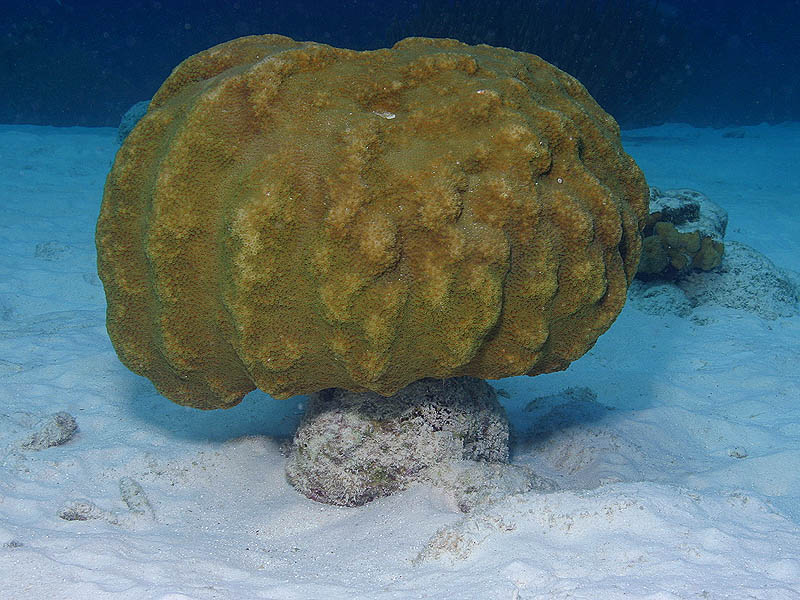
{"x": 675, "y": 441}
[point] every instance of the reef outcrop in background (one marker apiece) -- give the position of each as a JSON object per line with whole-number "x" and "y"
{"x": 294, "y": 217}
{"x": 683, "y": 233}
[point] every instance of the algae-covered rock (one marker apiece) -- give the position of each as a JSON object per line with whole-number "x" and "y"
{"x": 131, "y": 117}
{"x": 682, "y": 233}
{"x": 689, "y": 210}
{"x": 669, "y": 254}
{"x": 354, "y": 447}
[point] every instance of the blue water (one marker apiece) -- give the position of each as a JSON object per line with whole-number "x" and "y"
{"x": 704, "y": 62}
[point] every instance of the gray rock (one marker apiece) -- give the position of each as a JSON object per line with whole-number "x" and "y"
{"x": 131, "y": 118}
{"x": 52, "y": 250}
{"x": 140, "y": 511}
{"x": 55, "y": 430}
{"x": 690, "y": 210}
{"x": 746, "y": 280}
{"x": 354, "y": 447}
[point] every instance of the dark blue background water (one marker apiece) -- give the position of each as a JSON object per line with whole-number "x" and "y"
{"x": 706, "y": 62}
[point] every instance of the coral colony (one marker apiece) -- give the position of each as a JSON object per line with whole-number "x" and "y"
{"x": 306, "y": 219}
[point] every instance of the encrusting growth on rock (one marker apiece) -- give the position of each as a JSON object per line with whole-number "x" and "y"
{"x": 683, "y": 233}
{"x": 354, "y": 447}
{"x": 295, "y": 217}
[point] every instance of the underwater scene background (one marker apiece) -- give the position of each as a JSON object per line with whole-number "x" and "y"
{"x": 662, "y": 464}
{"x": 711, "y": 62}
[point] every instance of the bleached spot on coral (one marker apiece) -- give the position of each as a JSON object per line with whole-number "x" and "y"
{"x": 384, "y": 114}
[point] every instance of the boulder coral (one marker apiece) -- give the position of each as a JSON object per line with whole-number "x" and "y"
{"x": 294, "y": 217}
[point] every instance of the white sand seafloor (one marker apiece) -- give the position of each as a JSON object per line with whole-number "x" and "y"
{"x": 676, "y": 440}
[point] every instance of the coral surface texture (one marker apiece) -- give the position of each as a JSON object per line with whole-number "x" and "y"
{"x": 294, "y": 217}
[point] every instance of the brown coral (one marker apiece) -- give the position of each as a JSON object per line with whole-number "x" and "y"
{"x": 293, "y": 217}
{"x": 671, "y": 254}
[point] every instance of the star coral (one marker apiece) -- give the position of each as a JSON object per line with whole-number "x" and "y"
{"x": 294, "y": 217}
